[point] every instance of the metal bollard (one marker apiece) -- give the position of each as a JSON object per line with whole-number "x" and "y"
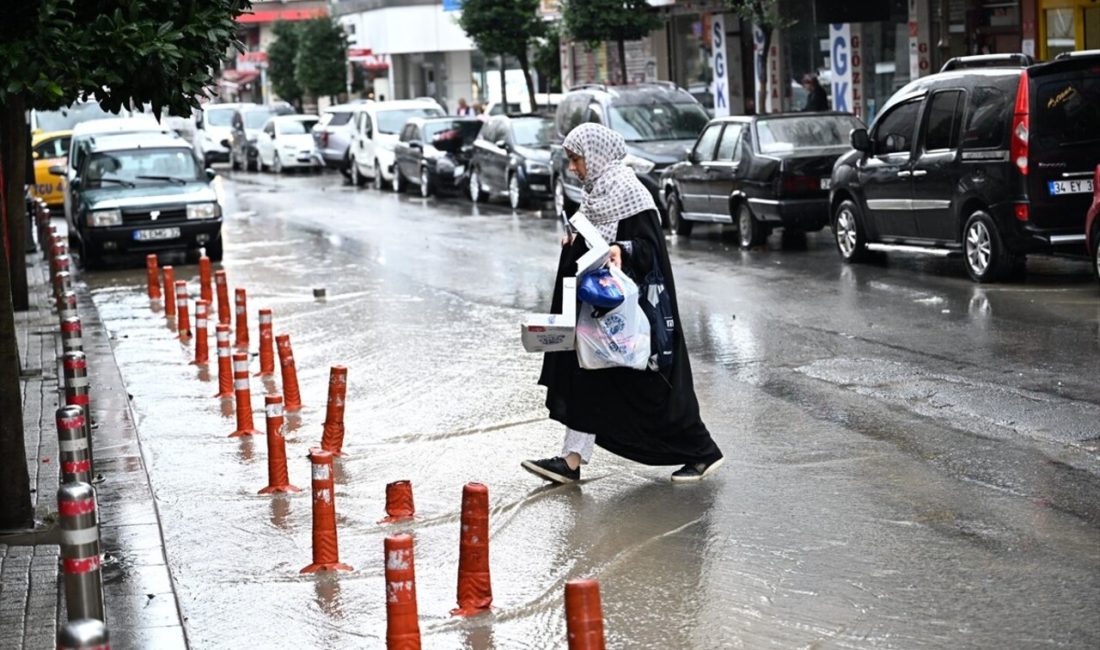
{"x": 66, "y": 306}
{"x": 76, "y": 458}
{"x": 80, "y": 558}
{"x": 84, "y": 634}
{"x": 75, "y": 366}
{"x": 72, "y": 335}
{"x": 62, "y": 282}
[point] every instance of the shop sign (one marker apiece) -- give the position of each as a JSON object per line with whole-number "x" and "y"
{"x": 718, "y": 64}
{"x": 840, "y": 47}
{"x": 920, "y": 62}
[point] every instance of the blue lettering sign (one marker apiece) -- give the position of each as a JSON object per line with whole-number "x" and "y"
{"x": 840, "y": 97}
{"x": 840, "y": 56}
{"x": 720, "y": 96}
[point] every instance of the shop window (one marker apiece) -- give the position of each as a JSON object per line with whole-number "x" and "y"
{"x": 1060, "y": 31}
{"x": 943, "y": 121}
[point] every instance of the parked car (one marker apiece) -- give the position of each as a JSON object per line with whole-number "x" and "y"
{"x": 512, "y": 158}
{"x": 377, "y": 125}
{"x": 140, "y": 193}
{"x": 49, "y": 148}
{"x": 332, "y": 136}
{"x": 545, "y": 104}
{"x": 659, "y": 121}
{"x": 1092, "y": 224}
{"x": 213, "y": 126}
{"x": 285, "y": 142}
{"x": 433, "y": 153}
{"x": 759, "y": 173}
{"x": 243, "y": 131}
{"x": 992, "y": 163}
{"x": 85, "y": 133}
{"x": 67, "y": 117}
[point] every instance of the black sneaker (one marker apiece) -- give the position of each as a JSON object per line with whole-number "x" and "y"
{"x": 552, "y": 469}
{"x": 695, "y": 472}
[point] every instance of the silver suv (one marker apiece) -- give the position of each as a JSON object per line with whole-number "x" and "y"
{"x": 332, "y": 135}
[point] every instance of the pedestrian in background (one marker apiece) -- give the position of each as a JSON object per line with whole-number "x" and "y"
{"x": 816, "y": 100}
{"x": 463, "y": 108}
{"x": 648, "y": 416}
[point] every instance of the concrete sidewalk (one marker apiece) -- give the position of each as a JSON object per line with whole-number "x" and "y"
{"x": 142, "y": 610}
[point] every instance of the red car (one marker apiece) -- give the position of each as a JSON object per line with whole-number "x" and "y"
{"x": 1092, "y": 225}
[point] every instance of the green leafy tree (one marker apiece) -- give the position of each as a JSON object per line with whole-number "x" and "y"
{"x": 321, "y": 66}
{"x": 281, "y": 66}
{"x": 505, "y": 29}
{"x": 766, "y": 15}
{"x": 52, "y": 52}
{"x": 596, "y": 21}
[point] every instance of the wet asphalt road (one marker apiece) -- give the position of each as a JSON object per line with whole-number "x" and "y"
{"x": 913, "y": 459}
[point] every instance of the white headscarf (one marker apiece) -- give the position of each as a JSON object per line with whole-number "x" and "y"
{"x": 611, "y": 190}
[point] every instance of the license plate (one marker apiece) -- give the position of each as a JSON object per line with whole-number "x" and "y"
{"x": 825, "y": 183}
{"x": 153, "y": 234}
{"x": 459, "y": 170}
{"x": 1070, "y": 187}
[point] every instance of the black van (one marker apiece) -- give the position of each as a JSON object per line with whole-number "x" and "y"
{"x": 993, "y": 163}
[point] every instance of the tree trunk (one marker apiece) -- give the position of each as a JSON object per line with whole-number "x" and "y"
{"x": 762, "y": 91}
{"x": 14, "y": 140}
{"x": 503, "y": 85}
{"x": 526, "y": 65}
{"x": 622, "y": 62}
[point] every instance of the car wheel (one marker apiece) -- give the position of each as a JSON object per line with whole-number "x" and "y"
{"x": 214, "y": 250}
{"x": 515, "y": 192}
{"x": 234, "y": 164}
{"x": 475, "y": 185}
{"x": 345, "y": 167}
{"x": 750, "y": 231}
{"x": 679, "y": 225}
{"x": 357, "y": 179}
{"x": 398, "y": 184}
{"x": 88, "y": 261}
{"x": 1096, "y": 252}
{"x": 277, "y": 164}
{"x": 251, "y": 165}
{"x": 425, "y": 183}
{"x": 986, "y": 258}
{"x": 263, "y": 165}
{"x": 379, "y": 182}
{"x": 850, "y": 240}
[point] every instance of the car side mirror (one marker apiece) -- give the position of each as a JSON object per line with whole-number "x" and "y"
{"x": 225, "y": 143}
{"x": 74, "y": 184}
{"x": 210, "y": 174}
{"x": 502, "y": 143}
{"x": 57, "y": 170}
{"x": 415, "y": 144}
{"x": 860, "y": 140}
{"x": 272, "y": 134}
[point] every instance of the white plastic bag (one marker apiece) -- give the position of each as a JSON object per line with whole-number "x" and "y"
{"x": 619, "y": 338}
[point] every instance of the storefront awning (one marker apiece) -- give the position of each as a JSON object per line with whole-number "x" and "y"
{"x": 284, "y": 14}
{"x": 234, "y": 79}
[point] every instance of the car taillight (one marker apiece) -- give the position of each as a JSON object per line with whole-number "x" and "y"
{"x": 795, "y": 184}
{"x": 1022, "y": 212}
{"x": 1020, "y": 123}
{"x": 324, "y": 138}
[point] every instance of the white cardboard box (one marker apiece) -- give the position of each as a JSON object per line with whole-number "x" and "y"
{"x": 552, "y": 332}
{"x": 598, "y": 250}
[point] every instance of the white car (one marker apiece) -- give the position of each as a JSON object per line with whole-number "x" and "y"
{"x": 286, "y": 141}
{"x": 213, "y": 124}
{"x": 377, "y": 125}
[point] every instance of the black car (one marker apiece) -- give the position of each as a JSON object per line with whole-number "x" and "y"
{"x": 141, "y": 193}
{"x": 244, "y": 128}
{"x": 993, "y": 163}
{"x": 660, "y": 121}
{"x": 433, "y": 153}
{"x": 512, "y": 158}
{"x": 759, "y": 173}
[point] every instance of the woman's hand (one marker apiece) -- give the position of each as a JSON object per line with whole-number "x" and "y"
{"x": 616, "y": 258}
{"x": 568, "y": 238}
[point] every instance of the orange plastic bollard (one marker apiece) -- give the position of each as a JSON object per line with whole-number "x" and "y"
{"x": 332, "y": 439}
{"x": 475, "y": 591}
{"x": 278, "y": 480}
{"x": 202, "y": 343}
{"x": 225, "y": 361}
{"x": 152, "y": 274}
{"x": 399, "y": 502}
{"x": 224, "y": 315}
{"x": 206, "y": 292}
{"x": 169, "y": 291}
{"x": 290, "y": 374}
{"x": 326, "y": 552}
{"x": 183, "y": 324}
{"x": 583, "y": 615}
{"x": 244, "y": 397}
{"x": 242, "y": 318}
{"x": 402, "y": 624}
{"x": 267, "y": 352}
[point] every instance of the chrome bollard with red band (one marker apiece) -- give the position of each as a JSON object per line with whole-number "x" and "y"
{"x": 72, "y": 441}
{"x": 83, "y": 634}
{"x": 62, "y": 282}
{"x": 75, "y": 369}
{"x": 72, "y": 335}
{"x": 81, "y": 562}
{"x": 66, "y": 306}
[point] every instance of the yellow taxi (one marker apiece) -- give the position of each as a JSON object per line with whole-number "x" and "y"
{"x": 48, "y": 149}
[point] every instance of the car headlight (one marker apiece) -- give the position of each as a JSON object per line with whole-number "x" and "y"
{"x": 639, "y": 165}
{"x": 101, "y": 218}
{"x": 536, "y": 167}
{"x": 202, "y": 210}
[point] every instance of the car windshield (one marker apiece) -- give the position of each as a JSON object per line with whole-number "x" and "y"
{"x": 131, "y": 166}
{"x": 392, "y": 121}
{"x": 532, "y": 131}
{"x": 296, "y": 127}
{"x": 65, "y": 119}
{"x": 467, "y": 128}
{"x": 790, "y": 133}
{"x": 255, "y": 119}
{"x": 219, "y": 116}
{"x": 657, "y": 120}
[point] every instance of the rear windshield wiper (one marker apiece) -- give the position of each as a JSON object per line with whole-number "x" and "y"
{"x": 164, "y": 178}
{"x": 1078, "y": 143}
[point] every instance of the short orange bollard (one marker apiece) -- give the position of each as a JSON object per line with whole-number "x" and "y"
{"x": 202, "y": 339}
{"x": 244, "y": 397}
{"x": 267, "y": 351}
{"x": 278, "y": 480}
{"x": 399, "y": 502}
{"x": 242, "y": 318}
{"x": 206, "y": 291}
{"x": 183, "y": 323}
{"x": 225, "y": 361}
{"x": 224, "y": 315}
{"x": 475, "y": 591}
{"x": 326, "y": 552}
{"x": 332, "y": 439}
{"x": 293, "y": 397}
{"x": 152, "y": 274}
{"x": 169, "y": 291}
{"x": 583, "y": 615}
{"x": 402, "y": 624}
